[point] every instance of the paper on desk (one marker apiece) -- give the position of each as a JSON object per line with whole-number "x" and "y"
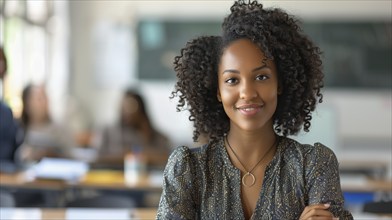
{"x": 97, "y": 214}
{"x": 59, "y": 168}
{"x": 368, "y": 216}
{"x": 353, "y": 180}
{"x": 20, "y": 214}
{"x": 156, "y": 178}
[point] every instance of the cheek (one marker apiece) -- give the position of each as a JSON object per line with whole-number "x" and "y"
{"x": 270, "y": 91}
{"x": 272, "y": 94}
{"x": 272, "y": 99}
{"x": 227, "y": 96}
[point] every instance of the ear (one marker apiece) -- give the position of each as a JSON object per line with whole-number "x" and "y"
{"x": 218, "y": 95}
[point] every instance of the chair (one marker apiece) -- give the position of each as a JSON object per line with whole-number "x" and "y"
{"x": 378, "y": 207}
{"x": 102, "y": 201}
{"x": 6, "y": 200}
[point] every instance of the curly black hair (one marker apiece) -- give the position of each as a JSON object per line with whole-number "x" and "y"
{"x": 281, "y": 39}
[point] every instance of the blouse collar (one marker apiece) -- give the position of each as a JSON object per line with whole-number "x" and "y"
{"x": 275, "y": 160}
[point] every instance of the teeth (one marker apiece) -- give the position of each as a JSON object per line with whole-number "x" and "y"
{"x": 248, "y": 109}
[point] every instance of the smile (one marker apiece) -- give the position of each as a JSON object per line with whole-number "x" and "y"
{"x": 249, "y": 110}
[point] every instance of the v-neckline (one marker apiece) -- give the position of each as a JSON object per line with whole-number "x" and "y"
{"x": 267, "y": 172}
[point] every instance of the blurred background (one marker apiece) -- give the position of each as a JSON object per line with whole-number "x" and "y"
{"x": 86, "y": 54}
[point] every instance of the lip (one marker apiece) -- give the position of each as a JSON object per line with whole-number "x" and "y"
{"x": 249, "y": 109}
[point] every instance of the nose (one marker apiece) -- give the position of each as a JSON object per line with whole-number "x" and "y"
{"x": 248, "y": 91}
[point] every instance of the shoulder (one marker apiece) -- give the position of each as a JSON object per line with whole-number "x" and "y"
{"x": 196, "y": 152}
{"x": 3, "y": 105}
{"x": 5, "y": 110}
{"x": 307, "y": 153}
{"x": 181, "y": 153}
{"x": 185, "y": 153}
{"x": 184, "y": 157}
{"x": 179, "y": 162}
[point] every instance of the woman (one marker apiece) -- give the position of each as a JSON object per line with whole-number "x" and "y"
{"x": 247, "y": 90}
{"x": 42, "y": 136}
{"x": 134, "y": 132}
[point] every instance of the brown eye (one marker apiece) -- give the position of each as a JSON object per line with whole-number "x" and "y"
{"x": 231, "y": 81}
{"x": 262, "y": 77}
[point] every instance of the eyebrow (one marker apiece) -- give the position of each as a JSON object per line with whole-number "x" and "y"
{"x": 254, "y": 70}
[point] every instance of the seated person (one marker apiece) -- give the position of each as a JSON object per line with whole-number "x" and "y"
{"x": 9, "y": 138}
{"x": 42, "y": 137}
{"x": 134, "y": 132}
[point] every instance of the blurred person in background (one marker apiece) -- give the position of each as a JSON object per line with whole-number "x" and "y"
{"x": 42, "y": 136}
{"x": 133, "y": 132}
{"x": 9, "y": 140}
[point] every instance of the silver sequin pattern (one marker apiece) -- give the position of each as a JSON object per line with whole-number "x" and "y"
{"x": 202, "y": 183}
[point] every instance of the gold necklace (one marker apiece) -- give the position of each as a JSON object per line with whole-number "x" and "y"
{"x": 249, "y": 173}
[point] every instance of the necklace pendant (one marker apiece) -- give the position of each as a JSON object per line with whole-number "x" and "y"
{"x": 245, "y": 176}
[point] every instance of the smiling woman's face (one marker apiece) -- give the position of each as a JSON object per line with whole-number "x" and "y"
{"x": 247, "y": 86}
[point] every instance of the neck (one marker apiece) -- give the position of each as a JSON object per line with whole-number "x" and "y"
{"x": 251, "y": 146}
{"x": 37, "y": 122}
{"x": 251, "y": 141}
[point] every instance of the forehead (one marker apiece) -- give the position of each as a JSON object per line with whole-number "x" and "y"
{"x": 241, "y": 52}
{"x": 129, "y": 100}
{"x": 38, "y": 91}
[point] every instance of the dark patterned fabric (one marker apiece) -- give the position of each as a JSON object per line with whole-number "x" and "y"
{"x": 202, "y": 183}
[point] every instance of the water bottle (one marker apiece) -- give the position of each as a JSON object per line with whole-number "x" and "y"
{"x": 134, "y": 166}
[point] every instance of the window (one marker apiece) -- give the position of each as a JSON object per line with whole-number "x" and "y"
{"x": 34, "y": 40}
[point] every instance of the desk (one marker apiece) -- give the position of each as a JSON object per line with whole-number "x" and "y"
{"x": 114, "y": 181}
{"x": 54, "y": 190}
{"x": 362, "y": 183}
{"x": 372, "y": 168}
{"x": 19, "y": 180}
{"x": 73, "y": 214}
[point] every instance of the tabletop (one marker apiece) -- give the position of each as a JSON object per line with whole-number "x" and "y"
{"x": 96, "y": 179}
{"x": 77, "y": 213}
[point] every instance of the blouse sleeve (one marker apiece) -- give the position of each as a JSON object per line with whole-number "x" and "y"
{"x": 178, "y": 199}
{"x": 323, "y": 181}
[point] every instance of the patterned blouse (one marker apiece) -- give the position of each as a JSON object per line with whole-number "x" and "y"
{"x": 202, "y": 183}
